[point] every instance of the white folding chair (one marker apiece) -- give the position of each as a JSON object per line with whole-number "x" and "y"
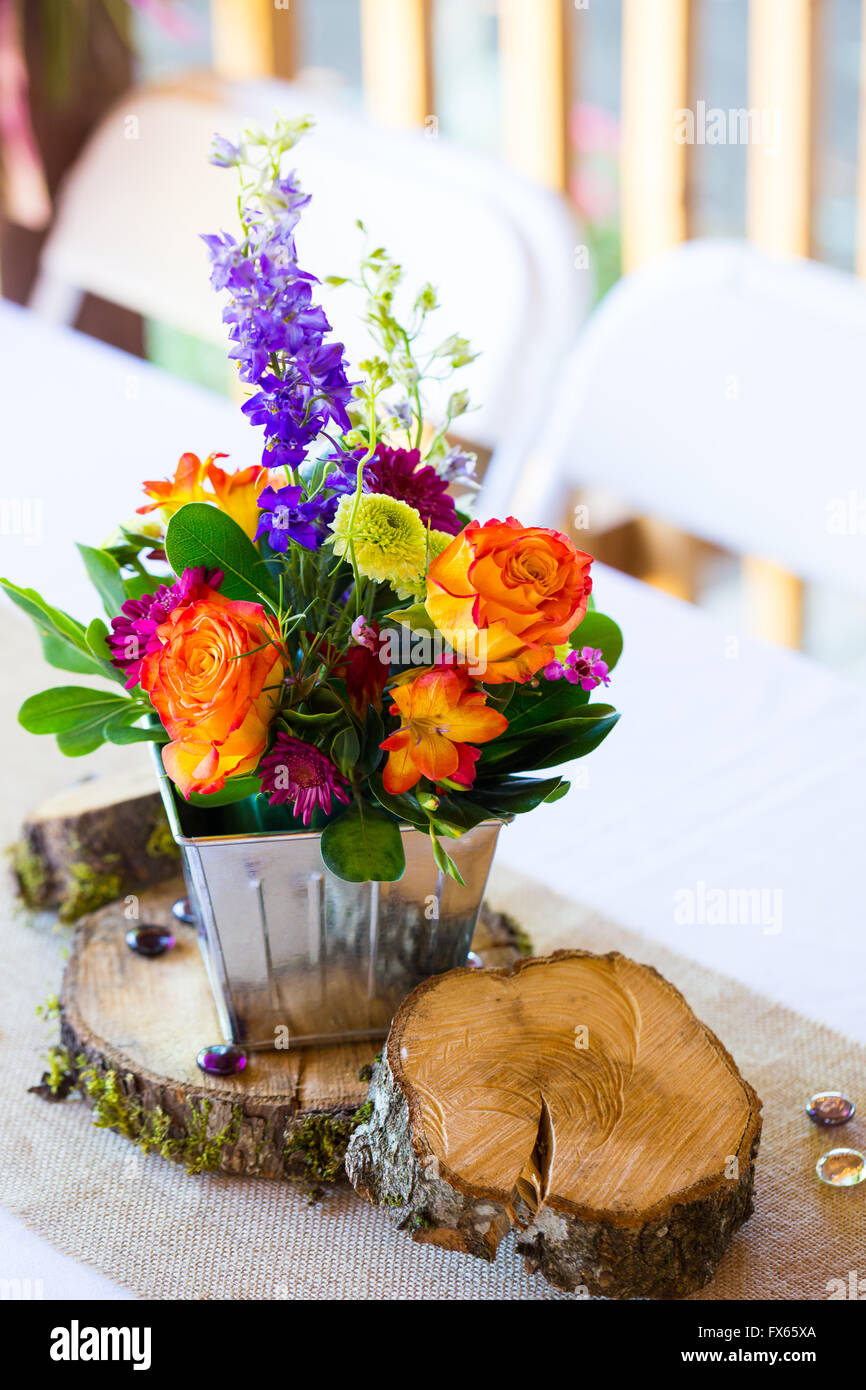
{"x": 500, "y": 250}
{"x": 722, "y": 390}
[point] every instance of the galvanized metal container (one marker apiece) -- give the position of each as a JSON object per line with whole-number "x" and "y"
{"x": 298, "y": 957}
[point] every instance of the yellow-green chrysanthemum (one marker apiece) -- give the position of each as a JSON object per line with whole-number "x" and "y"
{"x": 436, "y": 542}
{"x": 388, "y": 537}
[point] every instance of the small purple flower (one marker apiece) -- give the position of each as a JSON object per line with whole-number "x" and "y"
{"x": 296, "y": 771}
{"x": 285, "y": 517}
{"x": 584, "y": 668}
{"x": 223, "y": 153}
{"x": 134, "y": 630}
{"x": 458, "y": 466}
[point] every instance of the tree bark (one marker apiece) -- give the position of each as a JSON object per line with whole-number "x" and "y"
{"x": 131, "y": 1028}
{"x": 575, "y": 1098}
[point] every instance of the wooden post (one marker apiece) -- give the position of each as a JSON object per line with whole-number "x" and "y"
{"x": 253, "y": 38}
{"x": 779, "y": 171}
{"x": 779, "y": 217}
{"x": 396, "y": 59}
{"x": 533, "y": 45}
{"x": 654, "y": 89}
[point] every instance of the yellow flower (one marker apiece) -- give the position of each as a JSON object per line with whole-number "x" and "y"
{"x": 386, "y": 535}
{"x": 417, "y": 589}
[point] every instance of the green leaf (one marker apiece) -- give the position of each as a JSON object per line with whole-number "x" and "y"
{"x": 504, "y": 796}
{"x": 123, "y": 730}
{"x": 445, "y": 862}
{"x": 562, "y": 790}
{"x": 458, "y": 813}
{"x": 65, "y": 657}
{"x": 96, "y": 639}
{"x": 68, "y": 707}
{"x": 404, "y": 805}
{"x": 364, "y": 845}
{"x": 139, "y": 585}
{"x": 374, "y": 733}
{"x": 563, "y": 742}
{"x": 533, "y": 706}
{"x": 600, "y": 631}
{"x": 346, "y": 749}
{"x": 415, "y": 617}
{"x": 235, "y": 789}
{"x": 78, "y": 715}
{"x": 64, "y": 643}
{"x": 104, "y": 574}
{"x": 199, "y": 534}
{"x": 47, "y": 619}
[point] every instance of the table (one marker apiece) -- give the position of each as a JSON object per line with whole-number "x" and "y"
{"x": 724, "y": 815}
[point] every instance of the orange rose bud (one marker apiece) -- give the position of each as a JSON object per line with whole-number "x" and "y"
{"x": 441, "y": 715}
{"x": 504, "y": 595}
{"x": 216, "y": 709}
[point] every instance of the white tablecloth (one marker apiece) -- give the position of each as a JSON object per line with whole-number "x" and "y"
{"x": 724, "y": 815}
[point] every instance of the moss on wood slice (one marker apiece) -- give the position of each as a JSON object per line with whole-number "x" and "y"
{"x": 130, "y": 1031}
{"x": 99, "y": 840}
{"x": 575, "y": 1098}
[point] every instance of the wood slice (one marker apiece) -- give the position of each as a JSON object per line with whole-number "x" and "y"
{"x": 98, "y": 840}
{"x": 575, "y": 1098}
{"x": 131, "y": 1028}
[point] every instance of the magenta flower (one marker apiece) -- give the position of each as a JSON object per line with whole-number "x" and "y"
{"x": 396, "y": 472}
{"x": 365, "y": 634}
{"x": 133, "y": 632}
{"x": 584, "y": 668}
{"x": 296, "y": 771}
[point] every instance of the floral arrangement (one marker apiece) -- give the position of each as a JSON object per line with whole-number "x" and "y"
{"x": 326, "y": 639}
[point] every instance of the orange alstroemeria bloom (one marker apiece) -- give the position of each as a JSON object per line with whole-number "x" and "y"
{"x": 187, "y": 485}
{"x": 441, "y": 712}
{"x": 215, "y": 693}
{"x": 504, "y": 595}
{"x": 236, "y": 493}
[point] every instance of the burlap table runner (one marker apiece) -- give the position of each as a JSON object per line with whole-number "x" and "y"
{"x": 147, "y": 1225}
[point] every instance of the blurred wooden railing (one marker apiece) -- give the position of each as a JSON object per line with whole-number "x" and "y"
{"x": 258, "y": 37}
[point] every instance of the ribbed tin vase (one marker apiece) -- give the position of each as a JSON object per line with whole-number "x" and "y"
{"x": 298, "y": 957}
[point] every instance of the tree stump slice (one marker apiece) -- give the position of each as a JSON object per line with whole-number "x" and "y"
{"x": 575, "y": 1098}
{"x": 131, "y": 1027}
{"x": 95, "y": 841}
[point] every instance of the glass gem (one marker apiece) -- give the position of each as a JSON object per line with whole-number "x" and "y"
{"x": 474, "y": 961}
{"x": 841, "y": 1167}
{"x": 221, "y": 1059}
{"x": 183, "y": 912}
{"x": 830, "y": 1108}
{"x": 149, "y": 939}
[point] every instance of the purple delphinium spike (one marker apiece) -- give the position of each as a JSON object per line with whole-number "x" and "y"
{"x": 285, "y": 517}
{"x": 277, "y": 331}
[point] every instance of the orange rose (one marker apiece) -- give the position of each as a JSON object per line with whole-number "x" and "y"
{"x": 506, "y": 595}
{"x": 216, "y": 709}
